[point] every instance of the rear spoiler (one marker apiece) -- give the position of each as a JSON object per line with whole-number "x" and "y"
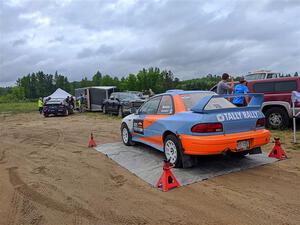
{"x": 255, "y": 102}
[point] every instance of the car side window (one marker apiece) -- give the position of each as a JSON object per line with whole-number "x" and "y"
{"x": 287, "y": 86}
{"x": 151, "y": 106}
{"x": 166, "y": 105}
{"x": 112, "y": 96}
{"x": 264, "y": 87}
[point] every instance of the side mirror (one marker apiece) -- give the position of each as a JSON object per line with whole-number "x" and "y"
{"x": 134, "y": 110}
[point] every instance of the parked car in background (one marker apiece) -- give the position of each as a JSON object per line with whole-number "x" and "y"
{"x": 122, "y": 103}
{"x": 277, "y": 105}
{"x": 57, "y": 107}
{"x": 261, "y": 75}
{"x": 140, "y": 94}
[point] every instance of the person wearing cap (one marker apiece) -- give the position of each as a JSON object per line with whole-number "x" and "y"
{"x": 241, "y": 88}
{"x": 223, "y": 87}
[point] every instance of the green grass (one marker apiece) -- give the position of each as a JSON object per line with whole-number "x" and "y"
{"x": 18, "y": 107}
{"x": 286, "y": 138}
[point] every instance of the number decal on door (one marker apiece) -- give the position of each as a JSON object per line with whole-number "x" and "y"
{"x": 138, "y": 126}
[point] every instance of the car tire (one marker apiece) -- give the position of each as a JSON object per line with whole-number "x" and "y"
{"x": 46, "y": 115}
{"x": 277, "y": 118}
{"x": 126, "y": 135}
{"x": 173, "y": 150}
{"x": 104, "y": 109}
{"x": 120, "y": 112}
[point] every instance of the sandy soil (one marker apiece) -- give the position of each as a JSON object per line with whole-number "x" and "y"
{"x": 49, "y": 176}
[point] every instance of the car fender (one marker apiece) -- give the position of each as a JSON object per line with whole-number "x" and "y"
{"x": 284, "y": 104}
{"x": 128, "y": 120}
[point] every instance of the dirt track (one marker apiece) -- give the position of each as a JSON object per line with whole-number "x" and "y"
{"x": 49, "y": 176}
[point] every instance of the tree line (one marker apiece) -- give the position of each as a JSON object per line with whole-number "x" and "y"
{"x": 39, "y": 84}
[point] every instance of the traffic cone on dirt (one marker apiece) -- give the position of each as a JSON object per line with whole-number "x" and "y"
{"x": 277, "y": 152}
{"x": 167, "y": 179}
{"x": 92, "y": 142}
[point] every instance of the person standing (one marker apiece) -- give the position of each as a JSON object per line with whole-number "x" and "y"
{"x": 223, "y": 87}
{"x": 72, "y": 103}
{"x": 78, "y": 105}
{"x": 82, "y": 102}
{"x": 40, "y": 105}
{"x": 241, "y": 88}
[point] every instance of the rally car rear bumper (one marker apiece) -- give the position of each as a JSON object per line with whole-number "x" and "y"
{"x": 218, "y": 144}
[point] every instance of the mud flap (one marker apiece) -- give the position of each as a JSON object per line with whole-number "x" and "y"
{"x": 255, "y": 151}
{"x": 187, "y": 161}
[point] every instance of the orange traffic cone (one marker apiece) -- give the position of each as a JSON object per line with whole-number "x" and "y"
{"x": 167, "y": 179}
{"x": 277, "y": 152}
{"x": 92, "y": 142}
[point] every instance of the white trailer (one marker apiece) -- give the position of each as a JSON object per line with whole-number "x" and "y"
{"x": 95, "y": 96}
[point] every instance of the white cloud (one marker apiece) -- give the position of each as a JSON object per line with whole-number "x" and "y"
{"x": 191, "y": 38}
{"x": 15, "y": 3}
{"x": 37, "y": 18}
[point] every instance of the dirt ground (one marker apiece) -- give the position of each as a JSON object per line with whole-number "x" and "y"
{"x": 49, "y": 176}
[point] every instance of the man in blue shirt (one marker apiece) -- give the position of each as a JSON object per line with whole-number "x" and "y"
{"x": 241, "y": 88}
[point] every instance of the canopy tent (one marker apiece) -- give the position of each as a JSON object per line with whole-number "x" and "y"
{"x": 59, "y": 94}
{"x": 295, "y": 98}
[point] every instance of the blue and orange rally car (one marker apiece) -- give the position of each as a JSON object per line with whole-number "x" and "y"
{"x": 186, "y": 123}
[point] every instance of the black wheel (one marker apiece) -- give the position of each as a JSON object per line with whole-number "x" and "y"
{"x": 126, "y": 135}
{"x": 46, "y": 115}
{"x": 277, "y": 118}
{"x": 104, "y": 109}
{"x": 173, "y": 150}
{"x": 120, "y": 112}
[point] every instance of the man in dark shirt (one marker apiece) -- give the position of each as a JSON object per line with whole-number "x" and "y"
{"x": 223, "y": 86}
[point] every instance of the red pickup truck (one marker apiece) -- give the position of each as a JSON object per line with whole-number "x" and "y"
{"x": 277, "y": 105}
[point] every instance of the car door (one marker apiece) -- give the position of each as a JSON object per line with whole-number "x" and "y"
{"x": 150, "y": 115}
{"x": 115, "y": 103}
{"x": 144, "y": 119}
{"x": 110, "y": 101}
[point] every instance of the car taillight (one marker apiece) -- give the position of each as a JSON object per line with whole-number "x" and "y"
{"x": 260, "y": 122}
{"x": 207, "y": 127}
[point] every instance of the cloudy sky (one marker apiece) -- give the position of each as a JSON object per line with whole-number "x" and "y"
{"x": 79, "y": 37}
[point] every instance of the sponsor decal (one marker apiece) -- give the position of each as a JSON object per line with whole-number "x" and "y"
{"x": 237, "y": 115}
{"x": 138, "y": 126}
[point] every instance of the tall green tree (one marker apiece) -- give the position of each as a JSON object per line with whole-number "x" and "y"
{"x": 97, "y": 79}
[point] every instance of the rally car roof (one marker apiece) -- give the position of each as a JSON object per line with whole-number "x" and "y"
{"x": 178, "y": 92}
